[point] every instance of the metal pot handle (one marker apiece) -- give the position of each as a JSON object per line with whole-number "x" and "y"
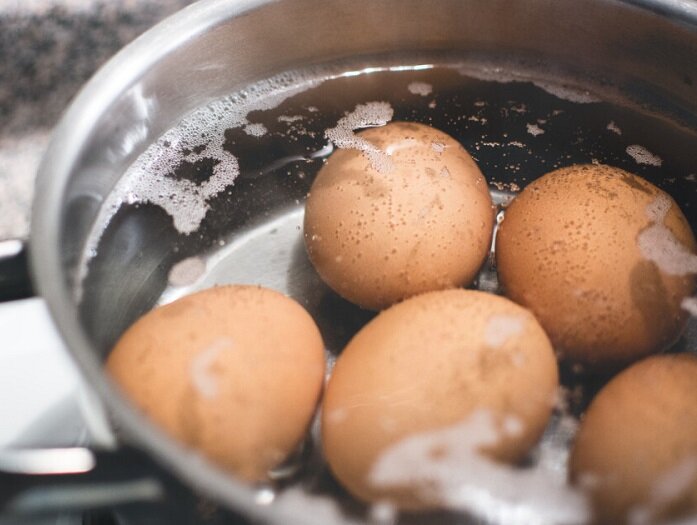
{"x": 36, "y": 481}
{"x": 76, "y": 468}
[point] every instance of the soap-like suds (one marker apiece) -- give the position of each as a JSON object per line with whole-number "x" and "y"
{"x": 658, "y": 244}
{"x": 614, "y": 128}
{"x": 500, "y": 328}
{"x": 643, "y": 156}
{"x": 255, "y": 130}
{"x": 690, "y": 304}
{"x": 420, "y": 88}
{"x": 186, "y": 271}
{"x": 534, "y": 129}
{"x": 370, "y": 114}
{"x": 203, "y": 380}
{"x": 460, "y": 478}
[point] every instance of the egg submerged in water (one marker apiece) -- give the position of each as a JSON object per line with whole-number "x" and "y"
{"x": 636, "y": 449}
{"x": 602, "y": 258}
{"x": 470, "y": 368}
{"x": 234, "y": 372}
{"x": 409, "y": 212}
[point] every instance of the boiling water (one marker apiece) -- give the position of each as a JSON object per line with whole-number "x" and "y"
{"x": 219, "y": 199}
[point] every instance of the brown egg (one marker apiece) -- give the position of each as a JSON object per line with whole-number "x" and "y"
{"x": 410, "y": 213}
{"x": 636, "y": 450}
{"x": 583, "y": 248}
{"x": 432, "y": 363}
{"x": 234, "y": 371}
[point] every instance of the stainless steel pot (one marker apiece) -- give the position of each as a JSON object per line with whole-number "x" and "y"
{"x": 215, "y": 47}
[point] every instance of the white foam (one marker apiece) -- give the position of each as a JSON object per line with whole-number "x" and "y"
{"x": 370, "y": 114}
{"x": 500, "y": 328}
{"x": 658, "y": 209}
{"x": 383, "y": 513}
{"x": 200, "y": 135}
{"x": 445, "y": 466}
{"x": 420, "y": 88}
{"x": 315, "y": 509}
{"x": 690, "y": 304}
{"x": 643, "y": 156}
{"x": 512, "y": 426}
{"x": 676, "y": 482}
{"x": 658, "y": 244}
{"x": 506, "y": 75}
{"x": 438, "y": 147}
{"x": 186, "y": 271}
{"x": 568, "y": 93}
{"x": 534, "y": 130}
{"x": 667, "y": 489}
{"x": 614, "y": 127}
{"x": 255, "y": 130}
{"x": 290, "y": 118}
{"x": 204, "y": 382}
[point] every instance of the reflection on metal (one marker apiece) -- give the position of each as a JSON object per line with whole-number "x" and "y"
{"x": 85, "y": 496}
{"x": 10, "y": 248}
{"x": 46, "y": 461}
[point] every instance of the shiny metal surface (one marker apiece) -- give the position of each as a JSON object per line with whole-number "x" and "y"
{"x": 217, "y": 46}
{"x": 46, "y": 461}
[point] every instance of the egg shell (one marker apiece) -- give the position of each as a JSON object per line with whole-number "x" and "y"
{"x": 419, "y": 220}
{"x": 425, "y": 364}
{"x": 636, "y": 449}
{"x": 234, "y": 372}
{"x": 568, "y": 250}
